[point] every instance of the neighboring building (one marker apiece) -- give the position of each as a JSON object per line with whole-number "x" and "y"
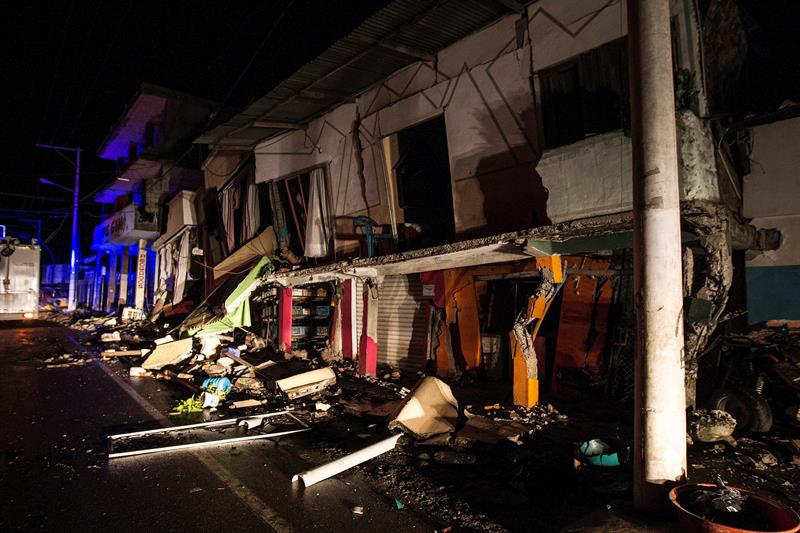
{"x": 151, "y": 144}
{"x": 771, "y": 193}
{"x": 478, "y": 140}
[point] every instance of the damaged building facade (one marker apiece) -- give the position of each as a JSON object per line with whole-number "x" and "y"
{"x": 149, "y": 216}
{"x": 423, "y": 193}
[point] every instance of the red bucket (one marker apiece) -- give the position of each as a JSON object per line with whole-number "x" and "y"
{"x": 778, "y": 518}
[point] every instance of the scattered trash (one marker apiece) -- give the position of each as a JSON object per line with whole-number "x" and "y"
{"x": 219, "y": 386}
{"x": 488, "y": 431}
{"x": 137, "y": 371}
{"x": 717, "y": 507}
{"x": 602, "y": 452}
{"x": 209, "y": 399}
{"x": 430, "y": 409}
{"x": 321, "y": 406}
{"x": 193, "y": 404}
{"x": 400, "y": 505}
{"x": 357, "y": 510}
{"x": 111, "y": 337}
{"x": 132, "y": 314}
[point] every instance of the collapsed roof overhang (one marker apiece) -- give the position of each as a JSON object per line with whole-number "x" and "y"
{"x": 595, "y": 234}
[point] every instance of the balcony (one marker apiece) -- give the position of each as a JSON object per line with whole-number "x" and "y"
{"x": 125, "y": 227}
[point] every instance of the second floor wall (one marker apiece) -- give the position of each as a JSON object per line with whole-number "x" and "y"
{"x": 487, "y": 93}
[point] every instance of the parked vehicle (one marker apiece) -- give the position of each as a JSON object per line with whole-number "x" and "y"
{"x": 19, "y": 285}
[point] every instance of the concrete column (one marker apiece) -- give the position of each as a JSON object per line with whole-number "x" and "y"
{"x": 123, "y": 277}
{"x": 659, "y": 404}
{"x": 347, "y": 313}
{"x": 285, "y": 319}
{"x": 111, "y": 293}
{"x": 368, "y": 346}
{"x": 141, "y": 275}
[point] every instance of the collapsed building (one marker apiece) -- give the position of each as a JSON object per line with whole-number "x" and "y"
{"x": 449, "y": 190}
{"x": 427, "y": 191}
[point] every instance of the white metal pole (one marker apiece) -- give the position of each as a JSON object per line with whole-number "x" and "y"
{"x": 659, "y": 404}
{"x": 75, "y": 252}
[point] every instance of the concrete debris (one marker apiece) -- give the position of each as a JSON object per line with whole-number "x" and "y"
{"x": 712, "y": 426}
{"x": 111, "y": 337}
{"x": 373, "y": 410}
{"x": 64, "y": 361}
{"x": 169, "y": 353}
{"x": 451, "y": 457}
{"x": 488, "y": 431}
{"x": 165, "y": 339}
{"x": 227, "y": 362}
{"x": 306, "y": 383}
{"x": 250, "y": 386}
{"x": 137, "y": 371}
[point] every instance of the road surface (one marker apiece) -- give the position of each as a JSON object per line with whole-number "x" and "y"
{"x": 56, "y": 477}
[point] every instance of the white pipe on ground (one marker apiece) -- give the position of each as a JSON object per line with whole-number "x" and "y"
{"x": 659, "y": 412}
{"x": 315, "y": 475}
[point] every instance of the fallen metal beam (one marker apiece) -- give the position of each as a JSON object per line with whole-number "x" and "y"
{"x": 217, "y": 424}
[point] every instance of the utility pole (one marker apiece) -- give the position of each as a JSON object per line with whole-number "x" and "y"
{"x": 659, "y": 401}
{"x": 75, "y": 247}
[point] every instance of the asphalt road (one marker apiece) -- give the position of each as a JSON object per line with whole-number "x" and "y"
{"x": 55, "y": 476}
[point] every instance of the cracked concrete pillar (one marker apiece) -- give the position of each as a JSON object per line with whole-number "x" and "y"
{"x": 659, "y": 404}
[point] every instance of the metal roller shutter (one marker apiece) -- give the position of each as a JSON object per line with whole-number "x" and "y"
{"x": 402, "y": 323}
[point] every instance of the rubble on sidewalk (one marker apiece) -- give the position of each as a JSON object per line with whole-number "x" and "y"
{"x": 169, "y": 353}
{"x": 712, "y": 426}
{"x": 306, "y": 383}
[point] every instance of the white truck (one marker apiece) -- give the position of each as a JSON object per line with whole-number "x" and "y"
{"x": 19, "y": 279}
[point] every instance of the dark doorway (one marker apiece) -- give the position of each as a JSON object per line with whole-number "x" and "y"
{"x": 423, "y": 181}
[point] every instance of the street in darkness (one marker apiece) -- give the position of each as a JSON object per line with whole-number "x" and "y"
{"x": 56, "y": 476}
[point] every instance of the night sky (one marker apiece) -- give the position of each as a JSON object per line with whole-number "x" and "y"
{"x": 70, "y": 68}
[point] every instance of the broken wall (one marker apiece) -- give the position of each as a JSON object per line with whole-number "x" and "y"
{"x": 771, "y": 193}
{"x": 483, "y": 87}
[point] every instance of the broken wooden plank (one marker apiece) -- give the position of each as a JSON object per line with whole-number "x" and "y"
{"x": 244, "y": 404}
{"x": 125, "y": 353}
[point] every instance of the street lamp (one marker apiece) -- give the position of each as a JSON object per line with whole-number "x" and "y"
{"x": 75, "y": 251}
{"x": 54, "y": 184}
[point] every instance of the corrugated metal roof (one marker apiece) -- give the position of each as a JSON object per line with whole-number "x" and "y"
{"x": 356, "y": 62}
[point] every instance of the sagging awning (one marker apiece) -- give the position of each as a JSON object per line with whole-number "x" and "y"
{"x": 236, "y": 305}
